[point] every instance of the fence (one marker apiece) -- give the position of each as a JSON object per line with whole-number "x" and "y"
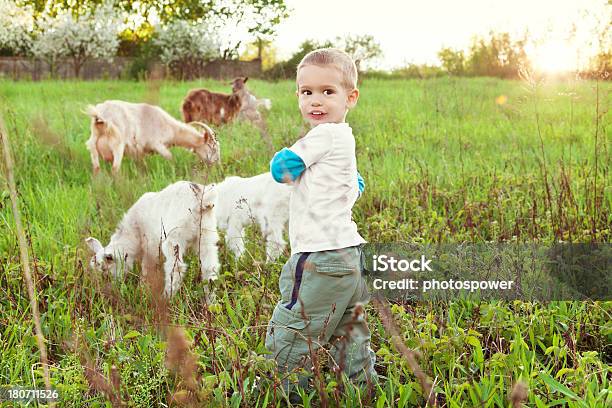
{"x": 26, "y": 68}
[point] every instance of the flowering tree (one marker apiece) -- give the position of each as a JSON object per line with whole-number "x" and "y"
{"x": 16, "y": 28}
{"x": 186, "y": 46}
{"x": 361, "y": 48}
{"x": 93, "y": 34}
{"x": 246, "y": 20}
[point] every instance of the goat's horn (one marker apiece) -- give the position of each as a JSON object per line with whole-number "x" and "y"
{"x": 203, "y": 125}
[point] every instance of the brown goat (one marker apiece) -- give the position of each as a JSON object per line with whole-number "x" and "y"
{"x": 201, "y": 105}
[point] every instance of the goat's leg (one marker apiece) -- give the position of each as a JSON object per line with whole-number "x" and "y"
{"x": 93, "y": 151}
{"x": 164, "y": 151}
{"x": 208, "y": 250}
{"x": 256, "y": 119}
{"x": 117, "y": 157}
{"x": 174, "y": 267}
{"x": 234, "y": 238}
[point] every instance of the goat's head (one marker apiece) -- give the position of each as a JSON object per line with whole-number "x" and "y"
{"x": 238, "y": 83}
{"x": 107, "y": 259}
{"x": 210, "y": 150}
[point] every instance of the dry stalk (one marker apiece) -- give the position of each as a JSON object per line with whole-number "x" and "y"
{"x": 184, "y": 363}
{"x": 153, "y": 86}
{"x": 518, "y": 395}
{"x": 595, "y": 206}
{"x": 111, "y": 389}
{"x": 43, "y": 132}
{"x": 179, "y": 357}
{"x": 409, "y": 355}
{"x": 24, "y": 257}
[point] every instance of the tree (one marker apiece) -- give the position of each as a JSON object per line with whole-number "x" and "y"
{"x": 286, "y": 69}
{"x": 361, "y": 48}
{"x": 601, "y": 63}
{"x": 185, "y": 47}
{"x": 497, "y": 56}
{"x": 164, "y": 10}
{"x": 250, "y": 18}
{"x": 599, "y": 66}
{"x": 263, "y": 50}
{"x": 265, "y": 16}
{"x": 16, "y": 28}
{"x": 93, "y": 34}
{"x": 452, "y": 61}
{"x": 250, "y": 21}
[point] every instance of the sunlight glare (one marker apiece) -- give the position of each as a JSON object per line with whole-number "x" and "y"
{"x": 554, "y": 56}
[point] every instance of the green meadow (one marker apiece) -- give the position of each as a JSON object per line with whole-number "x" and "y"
{"x": 444, "y": 161}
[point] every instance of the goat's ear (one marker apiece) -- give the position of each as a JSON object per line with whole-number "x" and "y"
{"x": 209, "y": 198}
{"x": 209, "y": 135}
{"x": 94, "y": 245}
{"x": 245, "y": 79}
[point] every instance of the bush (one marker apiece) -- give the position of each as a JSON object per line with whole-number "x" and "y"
{"x": 410, "y": 71}
{"x": 142, "y": 63}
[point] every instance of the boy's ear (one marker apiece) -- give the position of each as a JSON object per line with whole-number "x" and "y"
{"x": 352, "y": 98}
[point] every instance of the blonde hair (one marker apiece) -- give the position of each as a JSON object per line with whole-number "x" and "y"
{"x": 336, "y": 58}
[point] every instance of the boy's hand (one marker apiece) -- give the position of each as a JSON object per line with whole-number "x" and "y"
{"x": 360, "y": 184}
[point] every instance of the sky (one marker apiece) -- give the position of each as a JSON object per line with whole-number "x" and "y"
{"x": 414, "y": 31}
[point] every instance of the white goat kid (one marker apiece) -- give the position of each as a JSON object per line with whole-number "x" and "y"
{"x": 256, "y": 199}
{"x": 136, "y": 129}
{"x": 252, "y": 103}
{"x": 179, "y": 217}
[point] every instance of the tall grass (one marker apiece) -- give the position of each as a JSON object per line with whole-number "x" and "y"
{"x": 444, "y": 160}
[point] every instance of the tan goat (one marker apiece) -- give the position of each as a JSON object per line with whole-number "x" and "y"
{"x": 119, "y": 127}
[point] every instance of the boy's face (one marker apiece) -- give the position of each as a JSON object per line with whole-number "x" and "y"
{"x": 321, "y": 96}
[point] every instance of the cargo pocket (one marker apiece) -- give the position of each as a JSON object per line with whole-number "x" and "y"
{"x": 336, "y": 268}
{"x": 286, "y": 337}
{"x": 337, "y": 262}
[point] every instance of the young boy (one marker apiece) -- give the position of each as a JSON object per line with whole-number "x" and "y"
{"x": 321, "y": 284}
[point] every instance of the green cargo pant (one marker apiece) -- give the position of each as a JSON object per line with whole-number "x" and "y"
{"x": 320, "y": 295}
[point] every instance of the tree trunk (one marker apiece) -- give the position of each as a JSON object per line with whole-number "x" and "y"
{"x": 260, "y": 46}
{"x": 77, "y": 63}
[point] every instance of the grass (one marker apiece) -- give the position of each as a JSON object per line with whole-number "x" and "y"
{"x": 444, "y": 160}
